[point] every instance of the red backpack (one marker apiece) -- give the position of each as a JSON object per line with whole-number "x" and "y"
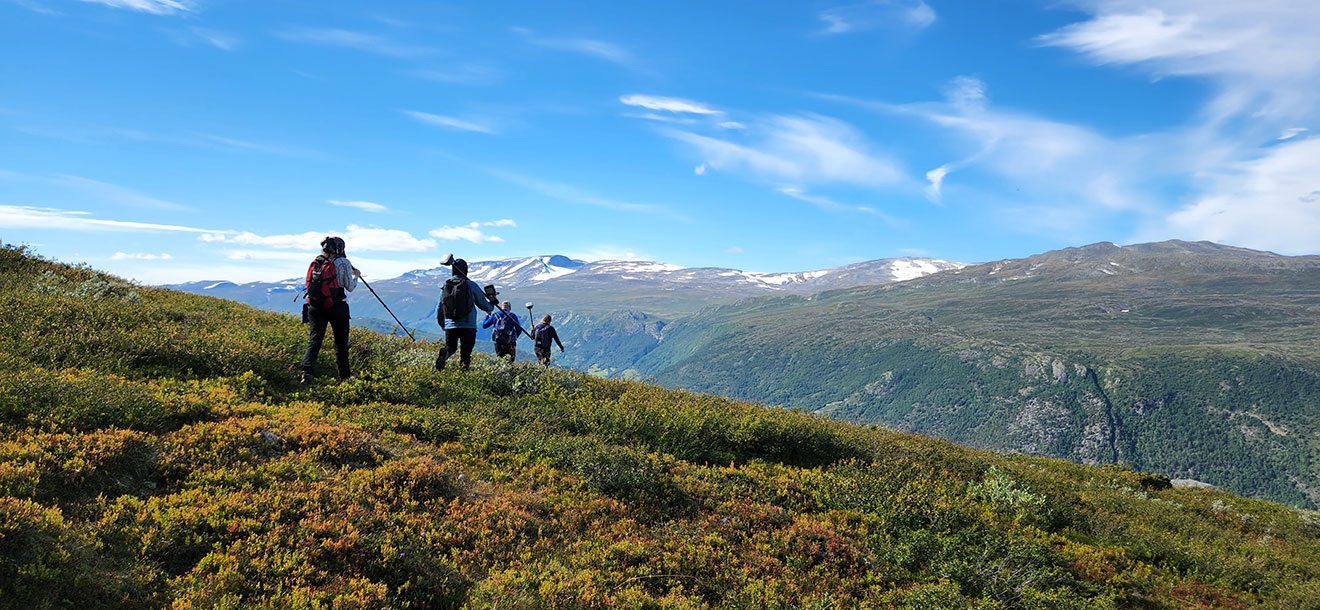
{"x": 323, "y": 288}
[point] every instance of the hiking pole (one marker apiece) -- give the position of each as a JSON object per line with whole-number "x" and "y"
{"x": 387, "y": 308}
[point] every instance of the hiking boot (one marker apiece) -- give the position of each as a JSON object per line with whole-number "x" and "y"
{"x": 306, "y": 380}
{"x": 440, "y": 359}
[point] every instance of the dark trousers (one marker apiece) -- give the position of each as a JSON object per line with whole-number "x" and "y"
{"x": 509, "y": 349}
{"x": 543, "y": 355}
{"x": 460, "y": 340}
{"x": 337, "y": 318}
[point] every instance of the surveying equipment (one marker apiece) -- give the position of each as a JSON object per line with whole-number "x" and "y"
{"x": 387, "y": 308}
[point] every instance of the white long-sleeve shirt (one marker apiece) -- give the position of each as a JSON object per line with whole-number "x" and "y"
{"x": 344, "y": 270}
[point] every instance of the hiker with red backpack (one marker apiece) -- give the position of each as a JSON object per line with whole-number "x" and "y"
{"x": 457, "y": 314}
{"x": 329, "y": 278}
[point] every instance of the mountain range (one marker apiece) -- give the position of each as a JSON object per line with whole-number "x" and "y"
{"x": 581, "y": 295}
{"x": 1197, "y": 360}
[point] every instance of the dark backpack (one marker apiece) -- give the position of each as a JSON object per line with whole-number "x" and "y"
{"x": 456, "y": 298}
{"x": 323, "y": 288}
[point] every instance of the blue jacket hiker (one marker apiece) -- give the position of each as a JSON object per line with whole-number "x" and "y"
{"x": 457, "y": 314}
{"x": 507, "y": 328}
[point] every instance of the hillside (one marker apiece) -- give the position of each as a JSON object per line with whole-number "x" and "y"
{"x": 155, "y": 451}
{"x": 1191, "y": 359}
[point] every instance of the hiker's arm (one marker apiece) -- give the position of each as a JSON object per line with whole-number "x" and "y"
{"x": 346, "y": 273}
{"x": 490, "y": 319}
{"x": 482, "y": 301}
{"x": 555, "y": 335}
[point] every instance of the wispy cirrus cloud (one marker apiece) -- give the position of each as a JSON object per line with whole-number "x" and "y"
{"x": 365, "y": 206}
{"x": 192, "y": 36}
{"x": 104, "y": 192}
{"x": 451, "y": 122}
{"x": 1271, "y": 202}
{"x": 472, "y": 231}
{"x": 155, "y": 7}
{"x": 32, "y": 217}
{"x": 874, "y": 14}
{"x": 361, "y": 41}
{"x": 597, "y": 49}
{"x": 1262, "y": 55}
{"x": 805, "y": 149}
{"x": 1046, "y": 159}
{"x": 826, "y": 203}
{"x": 573, "y": 194}
{"x": 667, "y": 104}
{"x": 1250, "y": 185}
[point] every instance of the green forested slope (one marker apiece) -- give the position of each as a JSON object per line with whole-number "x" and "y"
{"x": 1191, "y": 359}
{"x": 156, "y": 452}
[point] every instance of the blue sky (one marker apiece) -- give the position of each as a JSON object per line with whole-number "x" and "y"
{"x": 176, "y": 140}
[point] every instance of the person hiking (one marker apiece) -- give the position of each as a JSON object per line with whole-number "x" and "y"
{"x": 542, "y": 335}
{"x": 329, "y": 277}
{"x": 457, "y": 314}
{"x": 507, "y": 326}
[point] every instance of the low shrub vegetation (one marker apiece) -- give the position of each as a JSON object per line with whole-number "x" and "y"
{"x": 156, "y": 451}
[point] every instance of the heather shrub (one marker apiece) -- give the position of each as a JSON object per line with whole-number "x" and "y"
{"x": 160, "y": 454}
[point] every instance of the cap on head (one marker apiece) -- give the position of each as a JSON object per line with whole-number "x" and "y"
{"x": 506, "y": 305}
{"x": 333, "y": 245}
{"x": 459, "y": 267}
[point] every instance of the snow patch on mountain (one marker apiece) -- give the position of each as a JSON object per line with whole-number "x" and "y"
{"x": 633, "y": 267}
{"x": 912, "y": 268}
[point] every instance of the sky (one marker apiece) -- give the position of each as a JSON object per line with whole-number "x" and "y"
{"x": 184, "y": 140}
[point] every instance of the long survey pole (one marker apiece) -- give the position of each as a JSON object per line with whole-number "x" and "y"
{"x": 387, "y": 308}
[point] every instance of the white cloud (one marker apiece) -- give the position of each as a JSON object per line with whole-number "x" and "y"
{"x": 450, "y": 122}
{"x": 730, "y": 125}
{"x": 1249, "y": 173}
{"x": 119, "y": 256}
{"x": 1263, "y": 55}
{"x": 1046, "y": 160}
{"x": 155, "y": 7}
{"x": 356, "y": 238}
{"x": 369, "y": 43}
{"x": 573, "y": 194}
{"x": 1292, "y": 132}
{"x": 826, "y": 203}
{"x": 29, "y": 217}
{"x": 471, "y": 232}
{"x": 365, "y": 206}
{"x": 667, "y": 104}
{"x": 194, "y": 35}
{"x": 503, "y": 222}
{"x": 115, "y": 193}
{"x": 734, "y": 250}
{"x": 597, "y": 49}
{"x": 700, "y": 170}
{"x": 808, "y": 149}
{"x": 873, "y": 14}
{"x": 1268, "y": 203}
{"x": 936, "y": 179}
{"x": 102, "y": 192}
